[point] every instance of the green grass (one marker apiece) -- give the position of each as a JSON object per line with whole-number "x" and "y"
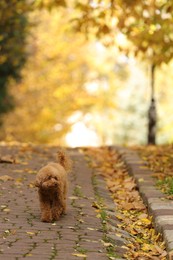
{"x": 166, "y": 185}
{"x": 78, "y": 192}
{"x": 102, "y": 215}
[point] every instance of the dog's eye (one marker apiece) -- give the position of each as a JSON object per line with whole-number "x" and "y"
{"x": 49, "y": 178}
{"x": 56, "y": 178}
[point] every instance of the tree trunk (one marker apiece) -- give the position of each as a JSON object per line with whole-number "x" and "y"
{"x": 152, "y": 114}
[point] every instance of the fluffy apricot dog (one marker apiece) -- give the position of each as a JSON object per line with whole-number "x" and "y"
{"x": 51, "y": 181}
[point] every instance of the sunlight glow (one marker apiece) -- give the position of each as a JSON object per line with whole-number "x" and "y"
{"x": 80, "y": 135}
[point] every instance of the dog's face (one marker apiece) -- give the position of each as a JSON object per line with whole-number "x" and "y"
{"x": 48, "y": 183}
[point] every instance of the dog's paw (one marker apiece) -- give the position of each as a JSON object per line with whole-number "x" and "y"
{"x": 47, "y": 220}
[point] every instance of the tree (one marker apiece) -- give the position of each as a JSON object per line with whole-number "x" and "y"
{"x": 52, "y": 86}
{"x": 14, "y": 27}
{"x": 146, "y": 24}
{"x": 61, "y": 78}
{"x": 13, "y": 30}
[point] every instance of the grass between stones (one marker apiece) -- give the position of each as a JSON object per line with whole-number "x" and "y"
{"x": 103, "y": 216}
{"x": 160, "y": 161}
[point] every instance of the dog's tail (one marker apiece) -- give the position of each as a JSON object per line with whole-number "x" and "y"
{"x": 64, "y": 160}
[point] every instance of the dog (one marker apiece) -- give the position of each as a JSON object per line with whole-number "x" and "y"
{"x": 51, "y": 181}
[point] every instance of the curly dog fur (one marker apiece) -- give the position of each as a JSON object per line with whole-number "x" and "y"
{"x": 51, "y": 181}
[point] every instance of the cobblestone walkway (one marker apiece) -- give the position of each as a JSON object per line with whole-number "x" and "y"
{"x": 23, "y": 235}
{"x": 80, "y": 234}
{"x": 77, "y": 235}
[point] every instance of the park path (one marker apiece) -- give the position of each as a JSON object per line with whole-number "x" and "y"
{"x": 82, "y": 233}
{"x": 77, "y": 235}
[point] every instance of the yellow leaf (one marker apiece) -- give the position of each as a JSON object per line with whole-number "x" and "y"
{"x": 31, "y": 172}
{"x": 73, "y": 198}
{"x": 31, "y": 185}
{"x": 30, "y": 233}
{"x": 147, "y": 247}
{"x": 3, "y": 206}
{"x": 80, "y": 255}
{"x": 6, "y": 178}
{"x": 141, "y": 180}
{"x": 7, "y": 159}
{"x": 18, "y": 171}
{"x": 106, "y": 244}
{"x": 91, "y": 228}
{"x": 6, "y": 210}
{"x": 96, "y": 205}
{"x": 19, "y": 181}
{"x": 118, "y": 235}
{"x": 146, "y": 221}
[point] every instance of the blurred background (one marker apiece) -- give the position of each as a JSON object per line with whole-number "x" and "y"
{"x": 84, "y": 73}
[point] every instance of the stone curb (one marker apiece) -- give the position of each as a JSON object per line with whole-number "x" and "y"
{"x": 159, "y": 207}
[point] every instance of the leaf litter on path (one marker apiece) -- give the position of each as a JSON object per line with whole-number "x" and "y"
{"x": 160, "y": 160}
{"x": 144, "y": 243}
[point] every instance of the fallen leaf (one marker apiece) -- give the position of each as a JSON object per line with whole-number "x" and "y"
{"x": 73, "y": 198}
{"x": 4, "y": 206}
{"x": 106, "y": 244}
{"x": 31, "y": 185}
{"x": 147, "y": 247}
{"x": 91, "y": 228}
{"x": 139, "y": 205}
{"x": 142, "y": 216}
{"x": 146, "y": 221}
{"x": 7, "y": 159}
{"x": 18, "y": 170}
{"x": 128, "y": 206}
{"x": 80, "y": 255}
{"x": 130, "y": 186}
{"x": 32, "y": 172}
{"x": 30, "y": 233}
{"x": 6, "y": 178}
{"x": 118, "y": 234}
{"x": 6, "y": 210}
{"x": 96, "y": 205}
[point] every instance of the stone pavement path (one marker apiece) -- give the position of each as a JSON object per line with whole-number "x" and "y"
{"x": 77, "y": 235}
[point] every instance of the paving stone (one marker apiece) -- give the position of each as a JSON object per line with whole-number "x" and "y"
{"x": 161, "y": 212}
{"x": 161, "y": 221}
{"x": 170, "y": 246}
{"x": 33, "y": 239}
{"x": 168, "y": 234}
{"x": 156, "y": 200}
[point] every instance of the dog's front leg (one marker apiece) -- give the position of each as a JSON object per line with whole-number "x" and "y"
{"x": 45, "y": 206}
{"x": 64, "y": 198}
{"x": 57, "y": 207}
